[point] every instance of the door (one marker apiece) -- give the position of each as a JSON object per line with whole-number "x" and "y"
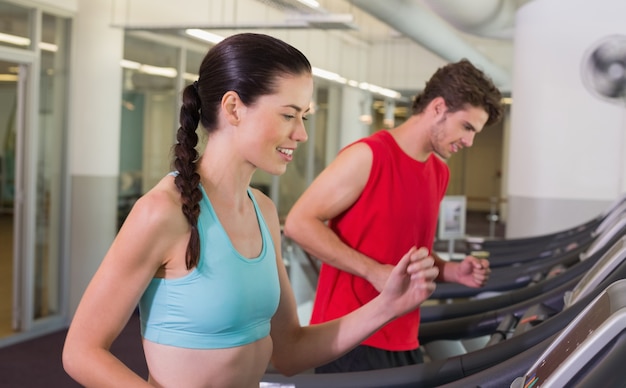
{"x": 33, "y": 179}
{"x": 9, "y": 101}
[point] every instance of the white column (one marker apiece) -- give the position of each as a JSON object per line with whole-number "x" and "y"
{"x": 354, "y": 104}
{"x": 333, "y": 123}
{"x": 566, "y": 160}
{"x": 94, "y": 121}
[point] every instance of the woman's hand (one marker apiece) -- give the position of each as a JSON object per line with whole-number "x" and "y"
{"x": 411, "y": 282}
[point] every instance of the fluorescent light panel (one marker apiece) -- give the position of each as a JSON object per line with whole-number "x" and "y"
{"x": 310, "y": 3}
{"x": 8, "y": 78}
{"x": 25, "y": 42}
{"x": 379, "y": 90}
{"x": 204, "y": 35}
{"x": 329, "y": 75}
{"x": 16, "y": 40}
{"x": 168, "y": 72}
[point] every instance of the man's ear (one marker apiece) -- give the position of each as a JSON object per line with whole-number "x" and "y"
{"x": 438, "y": 106}
{"x": 232, "y": 107}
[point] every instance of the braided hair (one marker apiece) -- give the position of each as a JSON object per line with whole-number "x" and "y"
{"x": 247, "y": 63}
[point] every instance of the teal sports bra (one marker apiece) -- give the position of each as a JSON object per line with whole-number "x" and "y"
{"x": 228, "y": 300}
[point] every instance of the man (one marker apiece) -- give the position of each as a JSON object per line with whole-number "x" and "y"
{"x": 381, "y": 196}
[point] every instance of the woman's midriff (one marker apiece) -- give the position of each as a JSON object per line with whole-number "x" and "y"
{"x": 240, "y": 367}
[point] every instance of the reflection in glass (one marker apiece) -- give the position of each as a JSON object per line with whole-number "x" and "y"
{"x": 16, "y": 26}
{"x": 8, "y": 105}
{"x": 150, "y": 120}
{"x": 49, "y": 168}
{"x": 149, "y": 117}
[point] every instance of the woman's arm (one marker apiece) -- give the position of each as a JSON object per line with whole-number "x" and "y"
{"x": 140, "y": 248}
{"x": 298, "y": 348}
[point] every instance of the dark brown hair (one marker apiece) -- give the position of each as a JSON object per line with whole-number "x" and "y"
{"x": 249, "y": 64}
{"x": 459, "y": 84}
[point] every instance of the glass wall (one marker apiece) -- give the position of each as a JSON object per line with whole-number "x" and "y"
{"x": 310, "y": 157}
{"x": 52, "y": 141}
{"x": 33, "y": 179}
{"x": 8, "y": 105}
{"x": 152, "y": 85}
{"x": 15, "y": 31}
{"x": 149, "y": 116}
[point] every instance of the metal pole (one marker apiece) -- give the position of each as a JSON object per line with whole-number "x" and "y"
{"x": 450, "y": 248}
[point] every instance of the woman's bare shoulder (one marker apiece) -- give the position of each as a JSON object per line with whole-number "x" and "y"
{"x": 160, "y": 206}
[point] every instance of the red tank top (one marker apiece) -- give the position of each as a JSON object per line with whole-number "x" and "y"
{"x": 397, "y": 209}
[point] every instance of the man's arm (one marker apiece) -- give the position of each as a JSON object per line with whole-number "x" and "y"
{"x": 472, "y": 271}
{"x": 330, "y": 194}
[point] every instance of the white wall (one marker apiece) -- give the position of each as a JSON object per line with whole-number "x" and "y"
{"x": 94, "y": 136}
{"x": 65, "y": 5}
{"x": 401, "y": 64}
{"x": 95, "y": 91}
{"x": 353, "y": 103}
{"x": 566, "y": 146}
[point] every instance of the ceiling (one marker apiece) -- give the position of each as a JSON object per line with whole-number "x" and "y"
{"x": 444, "y": 30}
{"x": 480, "y": 30}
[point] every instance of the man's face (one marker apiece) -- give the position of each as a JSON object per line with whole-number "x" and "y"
{"x": 453, "y": 131}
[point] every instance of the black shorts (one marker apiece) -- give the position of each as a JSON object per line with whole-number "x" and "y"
{"x": 364, "y": 358}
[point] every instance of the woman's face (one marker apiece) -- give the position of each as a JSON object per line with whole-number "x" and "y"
{"x": 272, "y": 127}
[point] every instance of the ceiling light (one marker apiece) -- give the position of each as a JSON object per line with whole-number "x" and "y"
{"x": 48, "y": 47}
{"x": 329, "y": 75}
{"x": 310, "y": 3}
{"x": 324, "y": 21}
{"x": 126, "y": 64}
{"x": 204, "y": 35}
{"x": 25, "y": 42}
{"x": 190, "y": 76}
{"x": 8, "y": 78}
{"x": 16, "y": 40}
{"x": 380, "y": 90}
{"x": 168, "y": 72}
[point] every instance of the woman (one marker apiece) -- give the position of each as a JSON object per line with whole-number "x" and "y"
{"x": 214, "y": 297}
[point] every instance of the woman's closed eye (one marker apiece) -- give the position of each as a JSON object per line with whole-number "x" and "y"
{"x": 291, "y": 117}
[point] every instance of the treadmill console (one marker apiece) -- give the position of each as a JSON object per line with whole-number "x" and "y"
{"x": 598, "y": 324}
{"x": 611, "y": 259}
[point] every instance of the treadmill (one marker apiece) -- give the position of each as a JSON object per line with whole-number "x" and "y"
{"x": 439, "y": 372}
{"x": 511, "y": 278}
{"x": 587, "y": 353}
{"x": 444, "y": 338}
{"x": 590, "y": 351}
{"x": 504, "y": 245}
